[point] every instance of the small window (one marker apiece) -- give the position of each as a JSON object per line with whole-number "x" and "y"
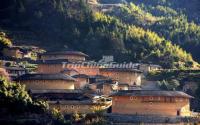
{"x": 151, "y": 98}
{"x": 133, "y": 98}
{"x": 178, "y": 113}
{"x": 72, "y": 107}
{"x": 78, "y": 107}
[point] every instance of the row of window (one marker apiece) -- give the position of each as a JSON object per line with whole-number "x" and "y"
{"x": 166, "y": 99}
{"x": 72, "y": 107}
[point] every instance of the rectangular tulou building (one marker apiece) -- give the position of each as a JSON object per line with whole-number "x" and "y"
{"x": 151, "y": 102}
{"x": 68, "y": 101}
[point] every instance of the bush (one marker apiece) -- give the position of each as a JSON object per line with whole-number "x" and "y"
{"x": 16, "y": 100}
{"x": 4, "y": 41}
{"x": 59, "y": 118}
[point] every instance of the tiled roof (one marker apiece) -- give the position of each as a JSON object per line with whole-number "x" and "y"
{"x": 6, "y": 58}
{"x": 81, "y": 76}
{"x": 61, "y": 95}
{"x": 120, "y": 70}
{"x": 36, "y": 76}
{"x": 99, "y": 77}
{"x": 66, "y": 53}
{"x": 65, "y": 91}
{"x": 55, "y": 61}
{"x": 151, "y": 93}
{"x": 15, "y": 68}
{"x": 69, "y": 102}
{"x": 103, "y": 82}
{"x": 68, "y": 70}
{"x": 123, "y": 84}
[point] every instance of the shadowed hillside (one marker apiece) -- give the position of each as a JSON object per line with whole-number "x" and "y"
{"x": 65, "y": 24}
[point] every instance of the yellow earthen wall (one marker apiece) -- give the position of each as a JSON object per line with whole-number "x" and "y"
{"x": 69, "y": 57}
{"x": 107, "y": 89}
{"x": 150, "y": 106}
{"x": 81, "y": 83}
{"x": 56, "y": 68}
{"x": 76, "y": 108}
{"x": 124, "y": 77}
{"x": 48, "y": 84}
{"x": 122, "y": 87}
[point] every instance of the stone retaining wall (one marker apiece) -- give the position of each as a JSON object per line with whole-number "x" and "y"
{"x": 136, "y": 119}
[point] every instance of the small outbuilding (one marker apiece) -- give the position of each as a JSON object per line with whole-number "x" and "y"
{"x": 123, "y": 75}
{"x": 69, "y": 101}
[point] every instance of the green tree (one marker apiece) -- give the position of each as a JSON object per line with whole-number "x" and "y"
{"x": 16, "y": 100}
{"x": 4, "y": 41}
{"x": 168, "y": 85}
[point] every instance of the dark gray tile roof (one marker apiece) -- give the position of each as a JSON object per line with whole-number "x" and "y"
{"x": 123, "y": 84}
{"x": 81, "y": 76}
{"x": 103, "y": 82}
{"x": 37, "y": 76}
{"x": 6, "y": 58}
{"x": 73, "y": 102}
{"x": 12, "y": 47}
{"x": 66, "y": 53}
{"x": 99, "y": 77}
{"x": 68, "y": 70}
{"x": 65, "y": 91}
{"x": 15, "y": 68}
{"x": 151, "y": 93}
{"x": 55, "y": 61}
{"x": 120, "y": 70}
{"x": 61, "y": 61}
{"x": 59, "y": 95}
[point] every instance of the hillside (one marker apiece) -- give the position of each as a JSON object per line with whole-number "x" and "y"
{"x": 170, "y": 19}
{"x": 64, "y": 24}
{"x": 189, "y": 7}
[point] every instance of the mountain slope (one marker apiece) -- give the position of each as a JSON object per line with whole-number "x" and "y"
{"x": 166, "y": 21}
{"x": 188, "y": 7}
{"x": 65, "y": 24}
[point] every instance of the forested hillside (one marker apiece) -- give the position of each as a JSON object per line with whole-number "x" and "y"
{"x": 189, "y": 7}
{"x": 65, "y": 24}
{"x": 173, "y": 20}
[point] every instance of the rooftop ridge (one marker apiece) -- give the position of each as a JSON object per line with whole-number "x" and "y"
{"x": 66, "y": 52}
{"x": 46, "y": 76}
{"x": 151, "y": 93}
